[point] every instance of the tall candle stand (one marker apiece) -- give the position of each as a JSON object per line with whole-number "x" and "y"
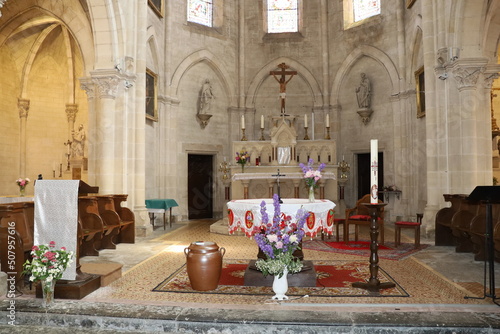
{"x": 373, "y": 284}
{"x": 261, "y": 134}
{"x": 327, "y": 136}
{"x": 306, "y": 137}
{"x": 243, "y": 137}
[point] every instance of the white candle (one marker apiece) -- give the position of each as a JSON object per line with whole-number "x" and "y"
{"x": 262, "y": 121}
{"x": 243, "y": 122}
{"x": 374, "y": 171}
{"x": 305, "y": 120}
{"x": 327, "y": 120}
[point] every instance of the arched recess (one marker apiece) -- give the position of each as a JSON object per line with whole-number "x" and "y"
{"x": 302, "y": 72}
{"x": 213, "y": 62}
{"x": 364, "y": 51}
{"x": 152, "y": 55}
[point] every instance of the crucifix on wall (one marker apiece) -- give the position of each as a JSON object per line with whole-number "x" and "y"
{"x": 283, "y": 82}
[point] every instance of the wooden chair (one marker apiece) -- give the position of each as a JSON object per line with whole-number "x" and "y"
{"x": 359, "y": 215}
{"x": 407, "y": 224}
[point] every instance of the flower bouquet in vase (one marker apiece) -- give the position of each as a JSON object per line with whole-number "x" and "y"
{"x": 278, "y": 240}
{"x": 47, "y": 266}
{"x": 22, "y": 183}
{"x": 312, "y": 176}
{"x": 242, "y": 158}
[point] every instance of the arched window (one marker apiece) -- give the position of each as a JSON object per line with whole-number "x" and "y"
{"x": 200, "y": 11}
{"x": 282, "y": 16}
{"x": 365, "y": 8}
{"x": 355, "y": 11}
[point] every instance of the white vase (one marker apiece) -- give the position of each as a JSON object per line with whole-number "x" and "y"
{"x": 311, "y": 194}
{"x": 280, "y": 286}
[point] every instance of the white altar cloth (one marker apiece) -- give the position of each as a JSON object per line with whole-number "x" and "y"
{"x": 56, "y": 217}
{"x": 244, "y": 214}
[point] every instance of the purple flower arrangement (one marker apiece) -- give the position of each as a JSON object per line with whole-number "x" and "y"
{"x": 310, "y": 175}
{"x": 279, "y": 239}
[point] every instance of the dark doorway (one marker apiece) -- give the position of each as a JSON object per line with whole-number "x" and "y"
{"x": 364, "y": 177}
{"x": 200, "y": 191}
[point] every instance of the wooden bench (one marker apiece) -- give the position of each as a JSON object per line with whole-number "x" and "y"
{"x": 88, "y": 209}
{"x": 443, "y": 234}
{"x": 127, "y": 231}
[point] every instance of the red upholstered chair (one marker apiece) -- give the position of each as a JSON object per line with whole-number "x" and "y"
{"x": 359, "y": 215}
{"x": 405, "y": 224}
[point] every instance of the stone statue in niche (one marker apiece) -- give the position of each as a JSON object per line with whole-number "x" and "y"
{"x": 364, "y": 95}
{"x": 78, "y": 143}
{"x": 364, "y": 92}
{"x": 206, "y": 97}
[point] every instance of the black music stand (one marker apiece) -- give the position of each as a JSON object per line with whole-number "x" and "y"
{"x": 487, "y": 195}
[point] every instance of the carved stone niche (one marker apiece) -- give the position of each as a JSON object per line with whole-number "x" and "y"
{"x": 284, "y": 142}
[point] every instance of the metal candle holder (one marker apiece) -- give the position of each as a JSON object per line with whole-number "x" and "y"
{"x": 306, "y": 137}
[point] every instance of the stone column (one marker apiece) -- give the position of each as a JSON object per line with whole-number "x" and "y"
{"x": 465, "y": 136}
{"x": 87, "y": 85}
{"x": 106, "y": 85}
{"x": 24, "y": 107}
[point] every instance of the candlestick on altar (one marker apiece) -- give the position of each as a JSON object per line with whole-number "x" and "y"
{"x": 305, "y": 121}
{"x": 243, "y": 122}
{"x": 243, "y": 137}
{"x": 374, "y": 171}
{"x": 262, "y": 134}
{"x": 327, "y": 135}
{"x": 306, "y": 137}
{"x": 262, "y": 121}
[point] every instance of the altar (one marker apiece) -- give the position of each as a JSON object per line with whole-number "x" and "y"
{"x": 244, "y": 214}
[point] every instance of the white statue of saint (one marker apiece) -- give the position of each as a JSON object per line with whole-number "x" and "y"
{"x": 206, "y": 97}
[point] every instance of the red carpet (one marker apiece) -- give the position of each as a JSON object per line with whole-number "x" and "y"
{"x": 362, "y": 248}
{"x": 334, "y": 279}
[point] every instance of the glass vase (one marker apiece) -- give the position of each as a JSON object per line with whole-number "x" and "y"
{"x": 243, "y": 168}
{"x": 280, "y": 286}
{"x": 311, "y": 194}
{"x": 22, "y": 191}
{"x": 48, "y": 288}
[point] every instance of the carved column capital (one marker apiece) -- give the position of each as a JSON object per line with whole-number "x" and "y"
{"x": 106, "y": 86}
{"x": 71, "y": 111}
{"x": 24, "y": 107}
{"x": 467, "y": 71}
{"x": 88, "y": 86}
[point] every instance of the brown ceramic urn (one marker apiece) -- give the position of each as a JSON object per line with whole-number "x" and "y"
{"x": 204, "y": 264}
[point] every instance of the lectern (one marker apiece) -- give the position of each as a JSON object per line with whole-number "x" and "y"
{"x": 487, "y": 195}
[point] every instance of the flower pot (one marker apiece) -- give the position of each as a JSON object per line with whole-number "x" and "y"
{"x": 280, "y": 286}
{"x": 48, "y": 288}
{"x": 204, "y": 264}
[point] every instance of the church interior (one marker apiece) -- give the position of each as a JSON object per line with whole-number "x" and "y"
{"x": 149, "y": 106}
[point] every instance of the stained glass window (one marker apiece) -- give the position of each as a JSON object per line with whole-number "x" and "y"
{"x": 282, "y": 16}
{"x": 200, "y": 11}
{"x": 365, "y": 8}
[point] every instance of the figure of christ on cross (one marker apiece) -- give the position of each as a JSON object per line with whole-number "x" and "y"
{"x": 283, "y": 81}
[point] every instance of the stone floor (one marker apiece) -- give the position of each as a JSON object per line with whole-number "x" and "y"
{"x": 88, "y": 317}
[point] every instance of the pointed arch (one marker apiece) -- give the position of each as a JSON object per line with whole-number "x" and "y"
{"x": 302, "y": 72}
{"x": 364, "y": 51}
{"x": 213, "y": 62}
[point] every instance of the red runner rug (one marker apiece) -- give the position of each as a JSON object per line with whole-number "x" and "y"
{"x": 334, "y": 279}
{"x": 362, "y": 248}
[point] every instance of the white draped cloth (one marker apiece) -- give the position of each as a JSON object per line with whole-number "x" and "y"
{"x": 244, "y": 214}
{"x": 56, "y": 217}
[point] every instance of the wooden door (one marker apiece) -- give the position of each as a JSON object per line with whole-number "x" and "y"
{"x": 364, "y": 177}
{"x": 200, "y": 188}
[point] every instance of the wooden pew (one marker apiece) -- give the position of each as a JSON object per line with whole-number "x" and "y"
{"x": 88, "y": 210}
{"x": 478, "y": 232}
{"x": 460, "y": 224}
{"x": 16, "y": 237}
{"x": 127, "y": 231}
{"x": 107, "y": 207}
{"x": 444, "y": 236}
